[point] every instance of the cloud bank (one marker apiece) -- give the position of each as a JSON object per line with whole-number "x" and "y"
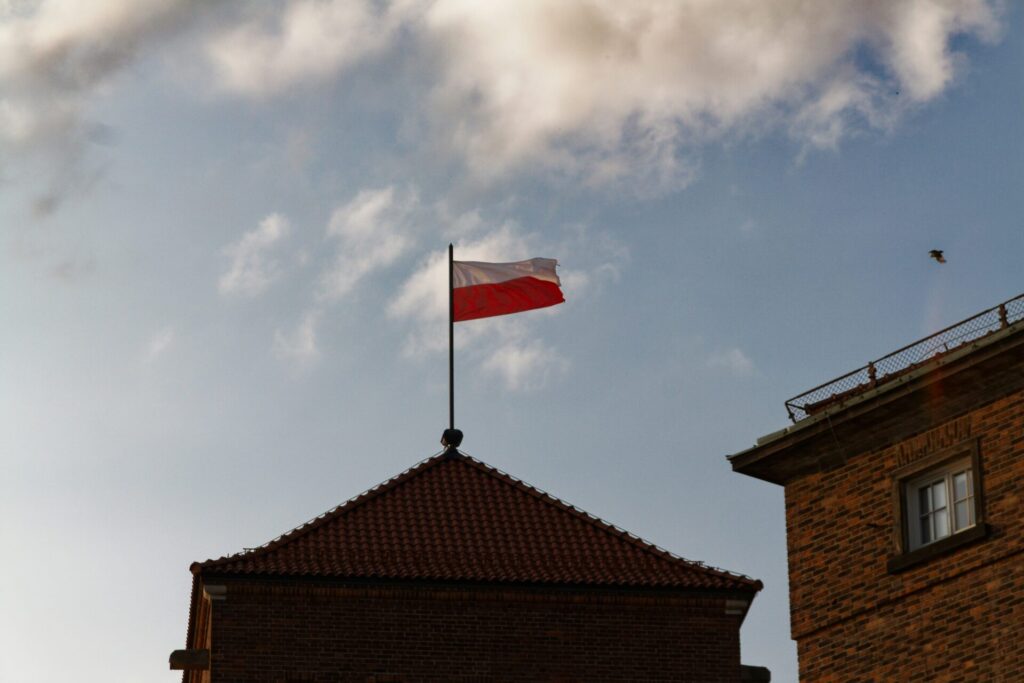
{"x": 599, "y": 91}
{"x": 56, "y": 56}
{"x": 606, "y": 90}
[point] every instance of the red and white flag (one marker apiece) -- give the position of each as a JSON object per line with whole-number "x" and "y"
{"x": 482, "y": 290}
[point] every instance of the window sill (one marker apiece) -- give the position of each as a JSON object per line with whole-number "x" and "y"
{"x": 932, "y": 550}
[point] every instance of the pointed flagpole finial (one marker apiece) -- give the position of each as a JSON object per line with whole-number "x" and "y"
{"x": 451, "y": 439}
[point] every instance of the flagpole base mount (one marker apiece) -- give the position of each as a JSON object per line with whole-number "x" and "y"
{"x": 451, "y": 439}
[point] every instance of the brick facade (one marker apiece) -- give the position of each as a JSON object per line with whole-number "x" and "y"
{"x": 288, "y": 631}
{"x": 959, "y": 616}
{"x": 867, "y": 604}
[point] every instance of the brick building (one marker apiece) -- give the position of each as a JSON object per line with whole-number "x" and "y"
{"x": 904, "y": 483}
{"x": 454, "y": 571}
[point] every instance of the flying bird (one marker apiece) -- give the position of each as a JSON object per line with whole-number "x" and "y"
{"x": 937, "y": 255}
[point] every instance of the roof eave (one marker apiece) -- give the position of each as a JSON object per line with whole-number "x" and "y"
{"x": 739, "y": 587}
{"x": 765, "y": 459}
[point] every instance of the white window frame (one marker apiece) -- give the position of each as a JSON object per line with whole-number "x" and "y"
{"x": 940, "y": 503}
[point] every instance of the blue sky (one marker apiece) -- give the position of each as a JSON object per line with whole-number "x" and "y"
{"x": 221, "y": 233}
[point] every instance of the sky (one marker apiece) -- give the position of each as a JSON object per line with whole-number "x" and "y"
{"x": 222, "y": 239}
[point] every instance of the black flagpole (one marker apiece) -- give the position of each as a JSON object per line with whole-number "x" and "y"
{"x": 451, "y": 337}
{"x": 452, "y": 437}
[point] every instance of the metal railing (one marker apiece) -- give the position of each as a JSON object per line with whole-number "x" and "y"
{"x": 906, "y": 359}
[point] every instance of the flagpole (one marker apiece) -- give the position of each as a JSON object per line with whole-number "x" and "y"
{"x": 452, "y": 437}
{"x": 451, "y": 337}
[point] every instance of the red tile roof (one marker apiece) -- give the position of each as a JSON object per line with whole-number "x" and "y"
{"x": 452, "y": 517}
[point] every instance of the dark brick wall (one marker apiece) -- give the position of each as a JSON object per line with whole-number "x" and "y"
{"x": 295, "y": 631}
{"x": 957, "y": 617}
{"x": 963, "y": 630}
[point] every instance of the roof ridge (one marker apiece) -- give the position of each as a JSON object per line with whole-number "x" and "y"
{"x": 605, "y": 526}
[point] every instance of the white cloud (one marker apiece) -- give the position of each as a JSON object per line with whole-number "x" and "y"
{"x": 53, "y": 54}
{"x": 917, "y": 34}
{"x": 253, "y": 267}
{"x": 158, "y": 344}
{"x": 524, "y": 366}
{"x": 372, "y": 232}
{"x": 309, "y": 41}
{"x": 55, "y": 57}
{"x": 607, "y": 90}
{"x": 301, "y": 343}
{"x": 733, "y": 361}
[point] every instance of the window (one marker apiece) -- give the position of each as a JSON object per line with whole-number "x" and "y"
{"x": 939, "y": 505}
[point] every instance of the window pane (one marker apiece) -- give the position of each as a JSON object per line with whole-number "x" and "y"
{"x": 924, "y": 500}
{"x": 941, "y": 524}
{"x": 960, "y": 486}
{"x": 926, "y": 530}
{"x": 963, "y": 515}
{"x": 938, "y": 495}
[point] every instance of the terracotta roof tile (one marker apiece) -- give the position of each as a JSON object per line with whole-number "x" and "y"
{"x": 452, "y": 517}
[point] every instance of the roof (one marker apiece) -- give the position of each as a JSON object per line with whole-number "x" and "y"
{"x": 454, "y": 518}
{"x": 915, "y": 399}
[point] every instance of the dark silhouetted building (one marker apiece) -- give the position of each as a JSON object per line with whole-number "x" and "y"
{"x": 454, "y": 571}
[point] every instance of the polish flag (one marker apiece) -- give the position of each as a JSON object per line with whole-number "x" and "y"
{"x": 481, "y": 290}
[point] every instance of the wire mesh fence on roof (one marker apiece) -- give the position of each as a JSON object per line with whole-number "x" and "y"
{"x": 906, "y": 359}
